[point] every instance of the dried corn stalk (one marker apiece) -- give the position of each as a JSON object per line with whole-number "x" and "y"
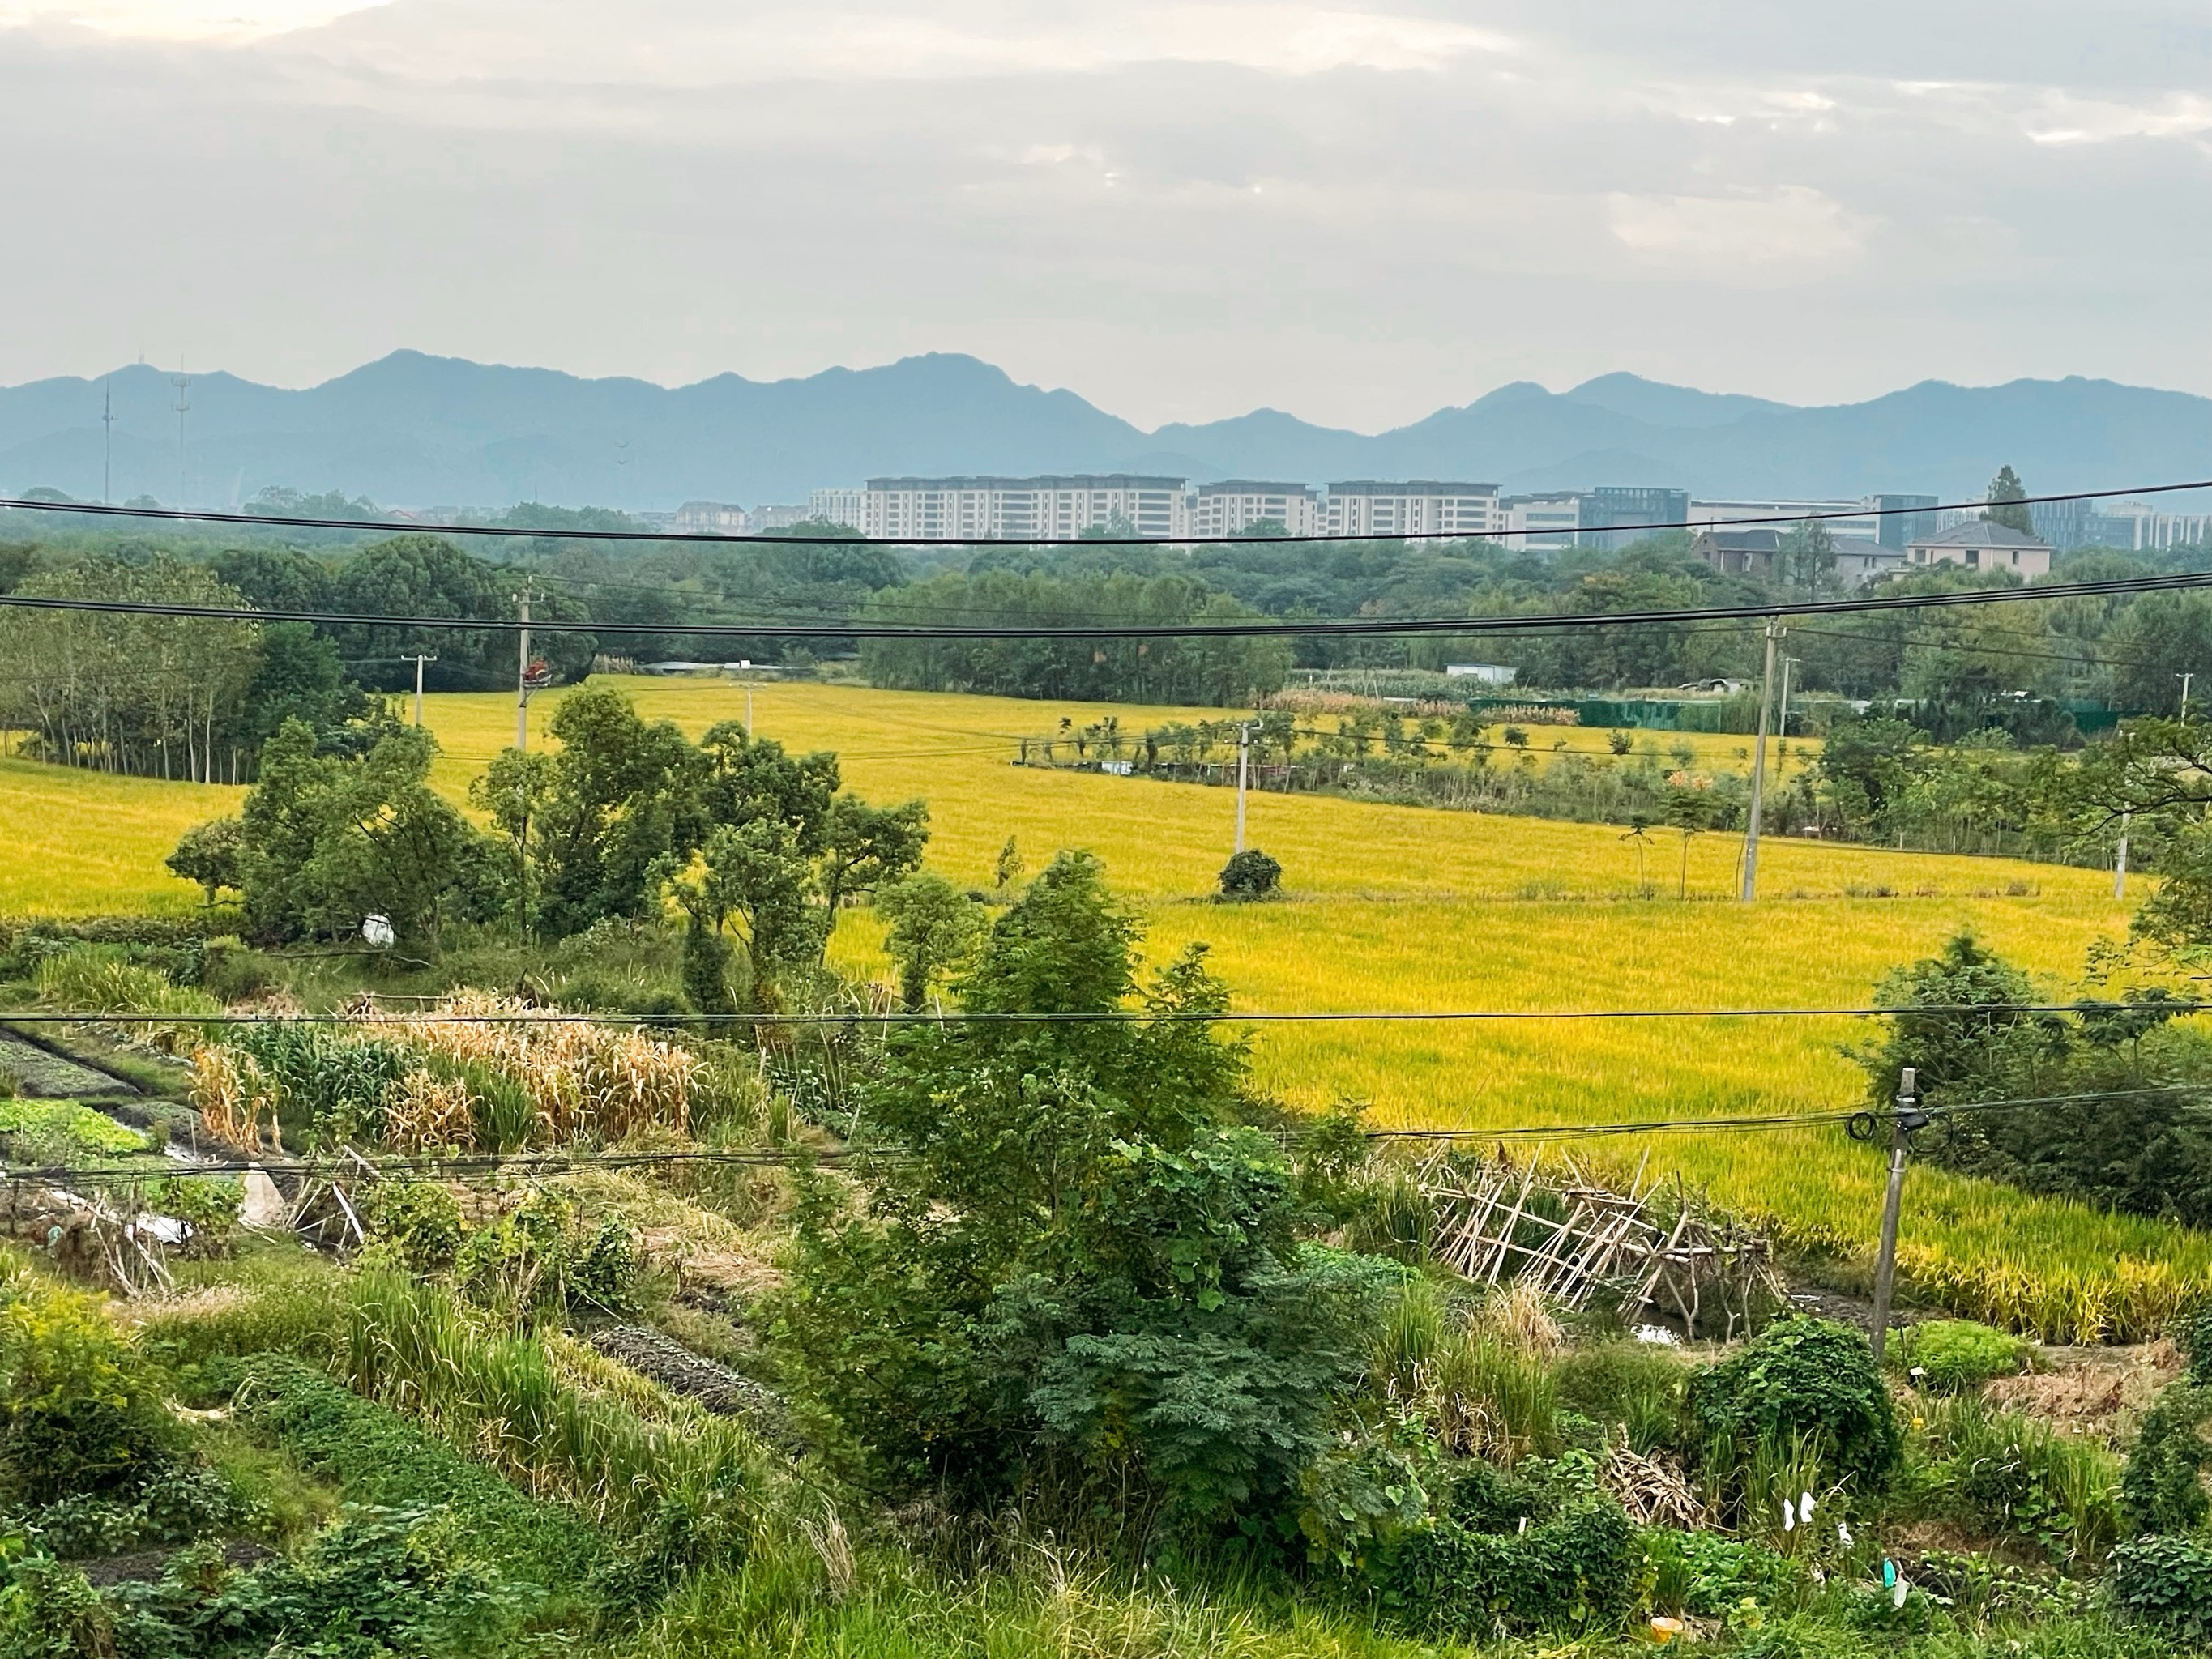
{"x": 428, "y": 1114}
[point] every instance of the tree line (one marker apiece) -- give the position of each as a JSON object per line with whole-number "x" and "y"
{"x": 758, "y": 847}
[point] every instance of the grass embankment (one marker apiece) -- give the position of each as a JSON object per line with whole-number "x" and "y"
{"x": 1409, "y": 908}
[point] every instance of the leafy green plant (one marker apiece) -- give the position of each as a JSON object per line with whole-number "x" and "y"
{"x": 2162, "y": 1490}
{"x": 1580, "y": 1569}
{"x": 1804, "y": 1377}
{"x": 1250, "y": 874}
{"x": 1706, "y": 1574}
{"x": 61, "y": 1132}
{"x": 2166, "y": 1582}
{"x": 1946, "y": 1355}
{"x": 1639, "y": 1385}
{"x": 420, "y": 1221}
{"x": 207, "y": 1206}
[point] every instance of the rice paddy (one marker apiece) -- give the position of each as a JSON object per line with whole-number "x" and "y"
{"x": 1416, "y": 908}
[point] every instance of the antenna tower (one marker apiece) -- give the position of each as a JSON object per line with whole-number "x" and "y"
{"x": 183, "y": 382}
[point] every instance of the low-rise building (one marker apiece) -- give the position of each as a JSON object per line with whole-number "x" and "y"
{"x": 1543, "y": 523}
{"x": 1982, "y": 546}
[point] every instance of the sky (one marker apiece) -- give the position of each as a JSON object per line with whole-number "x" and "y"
{"x": 1357, "y": 213}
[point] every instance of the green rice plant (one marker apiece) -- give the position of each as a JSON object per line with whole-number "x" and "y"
{"x": 98, "y": 980}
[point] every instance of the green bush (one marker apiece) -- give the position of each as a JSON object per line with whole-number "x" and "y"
{"x": 2161, "y": 1490}
{"x": 2166, "y": 1583}
{"x": 1581, "y": 1570}
{"x": 541, "y": 1254}
{"x": 1250, "y": 874}
{"x": 419, "y": 1221}
{"x": 1948, "y": 1355}
{"x": 1800, "y": 1379}
{"x": 79, "y": 1412}
{"x": 2000, "y": 1471}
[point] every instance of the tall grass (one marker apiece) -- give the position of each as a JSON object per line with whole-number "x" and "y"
{"x": 502, "y": 1398}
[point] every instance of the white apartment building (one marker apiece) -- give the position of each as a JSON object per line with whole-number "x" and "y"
{"x": 708, "y": 519}
{"x": 837, "y": 507}
{"x": 1235, "y": 505}
{"x": 1548, "y": 522}
{"x": 1045, "y": 509}
{"x": 1366, "y": 507}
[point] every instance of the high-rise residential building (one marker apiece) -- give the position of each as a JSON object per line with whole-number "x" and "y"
{"x": 1049, "y": 508}
{"x": 1419, "y": 506}
{"x": 1235, "y": 505}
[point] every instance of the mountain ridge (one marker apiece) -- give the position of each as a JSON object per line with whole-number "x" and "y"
{"x": 412, "y": 429}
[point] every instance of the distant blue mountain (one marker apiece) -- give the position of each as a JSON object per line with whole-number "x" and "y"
{"x": 416, "y": 430}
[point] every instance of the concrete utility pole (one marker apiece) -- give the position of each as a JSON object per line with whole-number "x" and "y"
{"x": 108, "y": 444}
{"x": 1759, "y": 768}
{"x": 2120, "y": 862}
{"x": 1908, "y": 1118}
{"x": 418, "y": 662}
{"x": 522, "y": 674}
{"x": 746, "y": 667}
{"x": 1782, "y": 712}
{"x": 2184, "y": 679}
{"x": 1243, "y": 774}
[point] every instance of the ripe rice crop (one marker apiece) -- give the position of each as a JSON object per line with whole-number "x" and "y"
{"x": 584, "y": 1081}
{"x": 1391, "y": 907}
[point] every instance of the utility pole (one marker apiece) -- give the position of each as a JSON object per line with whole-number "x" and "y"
{"x": 1782, "y": 713}
{"x": 418, "y": 662}
{"x": 2184, "y": 679}
{"x": 1759, "y": 768}
{"x": 522, "y": 673}
{"x": 746, "y": 667}
{"x": 2120, "y": 863}
{"x": 183, "y": 382}
{"x": 1243, "y": 775}
{"x": 108, "y": 444}
{"x": 1909, "y": 1117}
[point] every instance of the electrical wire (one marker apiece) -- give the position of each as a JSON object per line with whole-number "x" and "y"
{"x": 189, "y": 515}
{"x": 1269, "y": 628}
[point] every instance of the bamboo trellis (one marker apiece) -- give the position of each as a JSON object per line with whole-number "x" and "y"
{"x": 1567, "y": 1237}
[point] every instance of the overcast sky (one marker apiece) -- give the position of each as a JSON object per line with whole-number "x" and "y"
{"x": 1354, "y": 212}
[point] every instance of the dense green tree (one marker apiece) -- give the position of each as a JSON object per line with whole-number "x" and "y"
{"x": 933, "y": 930}
{"x": 865, "y": 847}
{"x": 2007, "y": 499}
{"x": 327, "y": 840}
{"x": 209, "y": 854}
{"x": 1081, "y": 1272}
{"x": 620, "y": 797}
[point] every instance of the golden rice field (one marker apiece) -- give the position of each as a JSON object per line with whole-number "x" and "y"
{"x": 1417, "y": 909}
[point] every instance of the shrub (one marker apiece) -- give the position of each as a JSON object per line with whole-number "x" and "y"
{"x": 2166, "y": 1583}
{"x": 1801, "y": 1378}
{"x": 1706, "y": 1575}
{"x": 207, "y": 1206}
{"x": 1952, "y": 1354}
{"x": 78, "y": 1411}
{"x": 1581, "y": 1570}
{"x": 419, "y": 1220}
{"x": 2161, "y": 1490}
{"x": 2000, "y": 1471}
{"x": 1250, "y": 874}
{"x": 1638, "y": 1385}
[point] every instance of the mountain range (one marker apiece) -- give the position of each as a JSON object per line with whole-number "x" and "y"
{"x": 416, "y": 430}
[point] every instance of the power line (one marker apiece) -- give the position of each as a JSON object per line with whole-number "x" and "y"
{"x": 513, "y": 531}
{"x": 1287, "y": 628}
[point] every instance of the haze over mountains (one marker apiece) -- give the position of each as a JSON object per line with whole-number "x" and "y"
{"x": 417, "y": 430}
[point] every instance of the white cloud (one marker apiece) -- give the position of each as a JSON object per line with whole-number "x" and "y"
{"x": 179, "y": 19}
{"x": 1724, "y": 238}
